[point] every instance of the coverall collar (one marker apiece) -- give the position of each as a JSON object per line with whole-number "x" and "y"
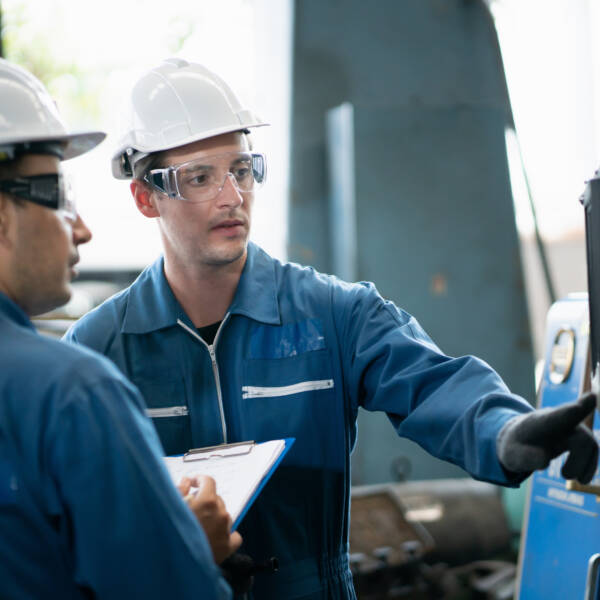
{"x": 255, "y": 297}
{"x": 14, "y": 312}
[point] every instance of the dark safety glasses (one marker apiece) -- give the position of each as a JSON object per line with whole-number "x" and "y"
{"x": 51, "y": 190}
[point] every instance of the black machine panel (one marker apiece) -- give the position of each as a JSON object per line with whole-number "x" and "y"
{"x": 591, "y": 203}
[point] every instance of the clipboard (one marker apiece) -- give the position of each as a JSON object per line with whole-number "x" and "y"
{"x": 241, "y": 470}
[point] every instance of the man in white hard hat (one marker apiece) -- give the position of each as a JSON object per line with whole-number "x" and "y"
{"x": 228, "y": 344}
{"x": 87, "y": 508}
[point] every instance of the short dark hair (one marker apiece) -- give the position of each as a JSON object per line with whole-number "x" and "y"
{"x": 9, "y": 168}
{"x": 146, "y": 164}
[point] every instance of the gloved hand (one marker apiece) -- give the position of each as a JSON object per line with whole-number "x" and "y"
{"x": 239, "y": 570}
{"x": 529, "y": 442}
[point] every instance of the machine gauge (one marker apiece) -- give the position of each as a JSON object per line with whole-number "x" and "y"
{"x": 562, "y": 355}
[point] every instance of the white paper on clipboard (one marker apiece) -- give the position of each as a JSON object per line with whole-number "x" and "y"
{"x": 238, "y": 469}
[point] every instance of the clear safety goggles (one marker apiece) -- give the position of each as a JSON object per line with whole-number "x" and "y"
{"x": 202, "y": 179}
{"x": 52, "y": 190}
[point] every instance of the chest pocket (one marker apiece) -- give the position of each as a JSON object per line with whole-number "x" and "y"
{"x": 289, "y": 390}
{"x": 167, "y": 407}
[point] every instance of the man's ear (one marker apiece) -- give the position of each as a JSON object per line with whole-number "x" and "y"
{"x": 144, "y": 200}
{"x": 6, "y": 218}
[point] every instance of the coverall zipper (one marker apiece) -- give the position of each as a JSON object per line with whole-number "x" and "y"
{"x": 249, "y": 391}
{"x": 212, "y": 351}
{"x": 167, "y": 411}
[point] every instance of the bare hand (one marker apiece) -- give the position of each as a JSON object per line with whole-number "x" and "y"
{"x": 210, "y": 511}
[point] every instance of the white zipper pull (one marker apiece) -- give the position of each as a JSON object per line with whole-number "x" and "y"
{"x": 167, "y": 411}
{"x": 249, "y": 391}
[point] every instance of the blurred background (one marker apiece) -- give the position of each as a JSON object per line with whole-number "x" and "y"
{"x": 436, "y": 147}
{"x": 89, "y": 55}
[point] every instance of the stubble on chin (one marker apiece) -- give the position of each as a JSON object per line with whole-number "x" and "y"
{"x": 224, "y": 257}
{"x": 47, "y": 303}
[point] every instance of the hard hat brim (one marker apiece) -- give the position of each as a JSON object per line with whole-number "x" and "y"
{"x": 145, "y": 149}
{"x": 76, "y": 144}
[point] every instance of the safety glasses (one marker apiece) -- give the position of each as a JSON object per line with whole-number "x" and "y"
{"x": 202, "y": 179}
{"x": 52, "y": 190}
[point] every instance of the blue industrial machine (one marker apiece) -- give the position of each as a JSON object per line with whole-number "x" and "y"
{"x": 560, "y": 545}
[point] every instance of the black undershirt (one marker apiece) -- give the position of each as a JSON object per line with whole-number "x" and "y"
{"x": 208, "y": 333}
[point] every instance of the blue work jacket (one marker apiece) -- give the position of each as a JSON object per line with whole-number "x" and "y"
{"x": 296, "y": 356}
{"x": 87, "y": 509}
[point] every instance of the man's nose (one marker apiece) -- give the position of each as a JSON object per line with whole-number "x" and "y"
{"x": 81, "y": 232}
{"x": 229, "y": 194}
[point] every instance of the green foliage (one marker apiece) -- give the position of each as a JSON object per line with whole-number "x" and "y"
{"x": 178, "y": 32}
{"x": 40, "y": 48}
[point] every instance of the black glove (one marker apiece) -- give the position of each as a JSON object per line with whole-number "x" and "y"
{"x": 530, "y": 441}
{"x": 239, "y": 570}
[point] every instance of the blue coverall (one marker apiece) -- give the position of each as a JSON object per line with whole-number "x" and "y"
{"x": 296, "y": 356}
{"x": 87, "y": 509}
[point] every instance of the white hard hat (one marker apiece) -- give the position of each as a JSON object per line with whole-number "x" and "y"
{"x": 28, "y": 115}
{"x": 174, "y": 104}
